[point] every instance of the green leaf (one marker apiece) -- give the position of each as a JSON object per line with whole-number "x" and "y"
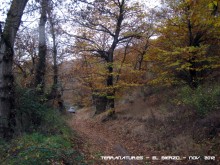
{"x": 175, "y": 63}
{"x": 215, "y": 3}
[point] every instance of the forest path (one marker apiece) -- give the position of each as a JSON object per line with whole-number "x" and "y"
{"x": 104, "y": 139}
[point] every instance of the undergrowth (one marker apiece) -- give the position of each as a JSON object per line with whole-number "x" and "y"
{"x": 42, "y": 137}
{"x": 204, "y": 99}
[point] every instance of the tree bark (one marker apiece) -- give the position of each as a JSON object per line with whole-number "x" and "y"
{"x": 41, "y": 66}
{"x": 110, "y": 83}
{"x": 7, "y": 108}
{"x": 99, "y": 101}
{"x": 110, "y": 78}
{"x": 54, "y": 93}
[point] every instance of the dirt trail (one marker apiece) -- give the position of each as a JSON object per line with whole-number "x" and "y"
{"x": 119, "y": 137}
{"x": 100, "y": 139}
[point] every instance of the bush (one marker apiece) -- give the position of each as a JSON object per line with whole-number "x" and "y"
{"x": 4, "y": 147}
{"x": 44, "y": 137}
{"x": 33, "y": 113}
{"x": 204, "y": 99}
{"x": 30, "y": 109}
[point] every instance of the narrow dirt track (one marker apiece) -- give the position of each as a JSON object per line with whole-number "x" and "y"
{"x": 96, "y": 139}
{"x": 99, "y": 140}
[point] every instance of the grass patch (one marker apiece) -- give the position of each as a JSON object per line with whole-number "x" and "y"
{"x": 37, "y": 149}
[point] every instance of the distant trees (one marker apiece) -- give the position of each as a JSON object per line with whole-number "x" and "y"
{"x": 26, "y": 56}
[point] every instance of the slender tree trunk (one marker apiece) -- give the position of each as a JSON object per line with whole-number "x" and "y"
{"x": 7, "y": 108}
{"x": 123, "y": 60}
{"x": 54, "y": 93}
{"x": 55, "y": 73}
{"x": 140, "y": 59}
{"x": 41, "y": 66}
{"x": 55, "y": 70}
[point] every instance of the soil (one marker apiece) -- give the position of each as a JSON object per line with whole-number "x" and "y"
{"x": 98, "y": 139}
{"x": 123, "y": 136}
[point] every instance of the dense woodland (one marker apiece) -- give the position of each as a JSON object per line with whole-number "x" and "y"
{"x": 97, "y": 53}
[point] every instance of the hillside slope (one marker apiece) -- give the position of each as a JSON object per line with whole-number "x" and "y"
{"x": 149, "y": 126}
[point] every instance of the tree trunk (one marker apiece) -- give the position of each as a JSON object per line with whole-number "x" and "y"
{"x": 41, "y": 66}
{"x": 53, "y": 93}
{"x": 193, "y": 79}
{"x": 99, "y": 101}
{"x": 106, "y": 100}
{"x": 110, "y": 85}
{"x": 7, "y": 109}
{"x": 109, "y": 100}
